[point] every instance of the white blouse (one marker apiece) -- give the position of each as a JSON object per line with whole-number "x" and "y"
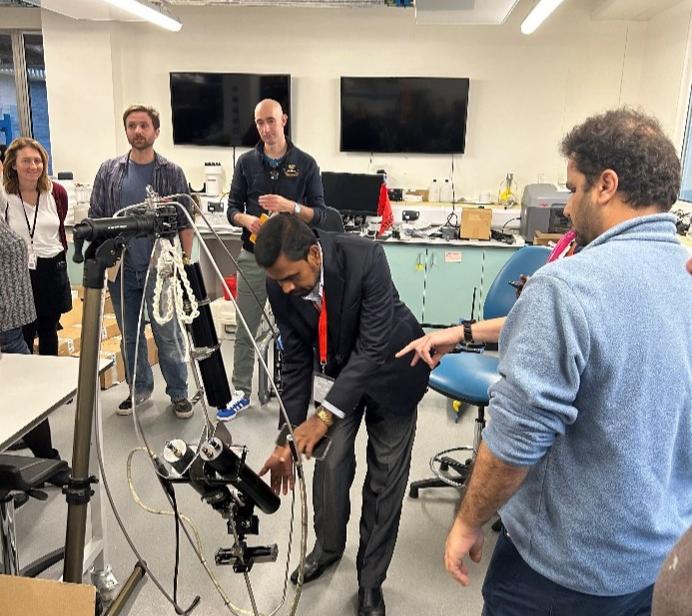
{"x": 46, "y": 242}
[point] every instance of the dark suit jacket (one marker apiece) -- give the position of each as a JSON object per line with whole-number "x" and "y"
{"x": 366, "y": 323}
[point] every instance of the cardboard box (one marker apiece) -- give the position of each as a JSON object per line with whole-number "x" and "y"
{"x": 74, "y": 316}
{"x": 39, "y": 597}
{"x": 65, "y": 347}
{"x": 108, "y": 304}
{"x": 544, "y": 239}
{"x": 109, "y": 377}
{"x": 475, "y": 223}
{"x": 109, "y": 327}
{"x": 152, "y": 349}
{"x": 112, "y": 347}
{"x": 72, "y": 336}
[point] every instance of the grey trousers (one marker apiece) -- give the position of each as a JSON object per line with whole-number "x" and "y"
{"x": 243, "y": 351}
{"x": 390, "y": 440}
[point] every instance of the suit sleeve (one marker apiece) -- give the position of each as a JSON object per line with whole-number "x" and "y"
{"x": 238, "y": 194}
{"x": 296, "y": 369}
{"x": 314, "y": 196}
{"x": 375, "y": 329}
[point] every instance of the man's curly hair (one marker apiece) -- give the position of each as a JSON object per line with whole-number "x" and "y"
{"x": 634, "y": 146}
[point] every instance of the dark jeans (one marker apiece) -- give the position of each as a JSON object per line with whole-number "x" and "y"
{"x": 512, "y": 588}
{"x": 39, "y": 439}
{"x": 168, "y": 337}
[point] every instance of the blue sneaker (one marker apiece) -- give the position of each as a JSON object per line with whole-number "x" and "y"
{"x": 234, "y": 409}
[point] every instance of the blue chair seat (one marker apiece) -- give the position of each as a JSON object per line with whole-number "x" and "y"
{"x": 466, "y": 377}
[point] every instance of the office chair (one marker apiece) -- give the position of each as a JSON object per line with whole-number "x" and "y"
{"x": 467, "y": 376}
{"x": 333, "y": 221}
{"x": 19, "y": 474}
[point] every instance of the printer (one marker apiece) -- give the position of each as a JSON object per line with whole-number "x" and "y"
{"x": 542, "y": 209}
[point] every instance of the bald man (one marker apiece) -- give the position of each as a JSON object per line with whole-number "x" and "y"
{"x": 275, "y": 176}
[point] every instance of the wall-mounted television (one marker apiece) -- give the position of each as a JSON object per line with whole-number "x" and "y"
{"x": 217, "y": 109}
{"x": 404, "y": 114}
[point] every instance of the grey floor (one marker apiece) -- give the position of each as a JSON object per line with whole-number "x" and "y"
{"x": 417, "y": 582}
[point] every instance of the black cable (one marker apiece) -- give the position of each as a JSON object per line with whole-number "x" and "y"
{"x": 453, "y": 193}
{"x": 510, "y": 220}
{"x": 452, "y": 215}
{"x": 177, "y": 543}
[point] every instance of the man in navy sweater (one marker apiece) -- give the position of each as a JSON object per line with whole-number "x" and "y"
{"x": 587, "y": 457}
{"x": 275, "y": 176}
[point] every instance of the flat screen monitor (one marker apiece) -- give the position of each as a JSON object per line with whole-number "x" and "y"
{"x": 354, "y": 194}
{"x": 218, "y": 109}
{"x": 404, "y": 114}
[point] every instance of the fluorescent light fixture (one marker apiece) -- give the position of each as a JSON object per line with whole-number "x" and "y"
{"x": 538, "y": 15}
{"x": 148, "y": 13}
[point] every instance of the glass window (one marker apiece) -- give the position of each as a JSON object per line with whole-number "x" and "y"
{"x": 686, "y": 184}
{"x": 38, "y": 99}
{"x": 9, "y": 114}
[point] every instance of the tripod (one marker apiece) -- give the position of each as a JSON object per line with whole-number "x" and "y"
{"x": 108, "y": 238}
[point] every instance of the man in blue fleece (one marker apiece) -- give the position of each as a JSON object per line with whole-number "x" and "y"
{"x": 588, "y": 455}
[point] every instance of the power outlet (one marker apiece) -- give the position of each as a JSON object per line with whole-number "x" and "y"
{"x": 215, "y": 206}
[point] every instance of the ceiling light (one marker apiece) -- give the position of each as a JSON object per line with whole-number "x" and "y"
{"x": 538, "y": 15}
{"x": 148, "y": 13}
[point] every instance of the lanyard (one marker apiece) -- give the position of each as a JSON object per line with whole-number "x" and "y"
{"x": 322, "y": 332}
{"x": 32, "y": 230}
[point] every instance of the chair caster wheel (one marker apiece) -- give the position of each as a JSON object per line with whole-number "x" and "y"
{"x": 444, "y": 466}
{"x": 413, "y": 492}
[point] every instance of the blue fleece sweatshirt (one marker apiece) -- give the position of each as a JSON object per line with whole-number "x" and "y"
{"x": 596, "y": 397}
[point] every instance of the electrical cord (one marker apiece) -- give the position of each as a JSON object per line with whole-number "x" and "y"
{"x": 153, "y": 457}
{"x": 452, "y": 216}
{"x": 510, "y": 220}
{"x": 177, "y": 542}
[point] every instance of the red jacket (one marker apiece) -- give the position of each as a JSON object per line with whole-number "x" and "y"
{"x": 60, "y": 196}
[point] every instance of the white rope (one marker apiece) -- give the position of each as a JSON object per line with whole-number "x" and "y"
{"x": 170, "y": 266}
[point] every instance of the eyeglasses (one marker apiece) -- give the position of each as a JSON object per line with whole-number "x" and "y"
{"x": 274, "y": 175}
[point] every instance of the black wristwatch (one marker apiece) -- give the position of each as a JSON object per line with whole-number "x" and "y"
{"x": 468, "y": 335}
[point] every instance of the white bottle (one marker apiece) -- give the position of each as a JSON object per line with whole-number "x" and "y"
{"x": 214, "y": 178}
{"x": 434, "y": 191}
{"x": 446, "y": 192}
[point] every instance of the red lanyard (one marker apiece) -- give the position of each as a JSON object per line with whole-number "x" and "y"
{"x": 322, "y": 332}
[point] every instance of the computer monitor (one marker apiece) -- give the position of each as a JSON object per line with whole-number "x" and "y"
{"x": 353, "y": 194}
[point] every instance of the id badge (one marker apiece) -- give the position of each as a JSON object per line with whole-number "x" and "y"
{"x": 32, "y": 260}
{"x": 321, "y": 384}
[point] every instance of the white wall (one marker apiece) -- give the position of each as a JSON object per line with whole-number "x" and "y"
{"x": 526, "y": 92}
{"x": 81, "y": 100}
{"x": 662, "y": 89}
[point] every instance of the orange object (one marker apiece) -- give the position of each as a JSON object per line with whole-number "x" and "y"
{"x": 263, "y": 218}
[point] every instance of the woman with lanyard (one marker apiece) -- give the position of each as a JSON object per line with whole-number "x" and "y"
{"x": 36, "y": 210}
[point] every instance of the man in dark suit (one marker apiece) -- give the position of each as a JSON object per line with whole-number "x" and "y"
{"x": 341, "y": 285}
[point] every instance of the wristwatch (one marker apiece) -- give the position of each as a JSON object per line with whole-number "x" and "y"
{"x": 296, "y": 208}
{"x": 324, "y": 416}
{"x": 468, "y": 335}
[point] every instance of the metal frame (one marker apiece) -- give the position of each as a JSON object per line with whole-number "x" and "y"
{"x": 21, "y": 80}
